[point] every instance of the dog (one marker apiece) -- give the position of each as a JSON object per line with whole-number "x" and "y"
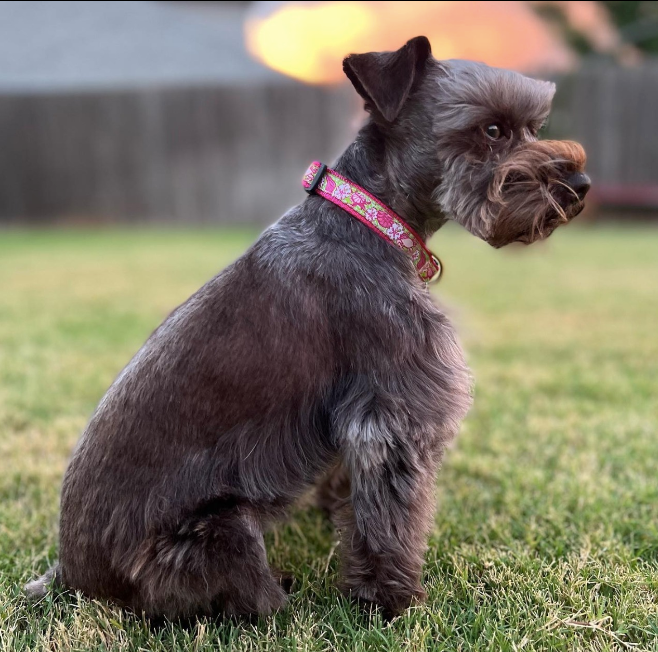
{"x": 318, "y": 358}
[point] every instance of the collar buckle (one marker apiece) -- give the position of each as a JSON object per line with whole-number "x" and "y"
{"x": 315, "y": 181}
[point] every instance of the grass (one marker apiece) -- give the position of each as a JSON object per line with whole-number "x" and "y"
{"x": 546, "y": 536}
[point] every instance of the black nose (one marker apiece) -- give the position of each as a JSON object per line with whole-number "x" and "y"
{"x": 580, "y": 183}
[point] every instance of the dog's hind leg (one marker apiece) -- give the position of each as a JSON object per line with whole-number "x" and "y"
{"x": 213, "y": 563}
{"x": 333, "y": 490}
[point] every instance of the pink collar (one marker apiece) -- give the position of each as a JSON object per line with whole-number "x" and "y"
{"x": 374, "y": 214}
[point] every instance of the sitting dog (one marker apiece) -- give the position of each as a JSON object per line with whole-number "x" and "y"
{"x": 317, "y": 358}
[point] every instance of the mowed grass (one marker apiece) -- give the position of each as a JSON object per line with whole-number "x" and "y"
{"x": 546, "y": 537}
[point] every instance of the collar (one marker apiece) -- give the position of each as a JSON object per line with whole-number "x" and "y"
{"x": 378, "y": 217}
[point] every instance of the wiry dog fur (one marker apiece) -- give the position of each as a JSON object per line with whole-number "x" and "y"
{"x": 318, "y": 357}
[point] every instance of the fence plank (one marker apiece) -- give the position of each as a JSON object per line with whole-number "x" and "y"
{"x": 188, "y": 155}
{"x": 235, "y": 154}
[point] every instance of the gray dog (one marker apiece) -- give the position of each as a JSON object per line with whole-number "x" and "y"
{"x": 317, "y": 358}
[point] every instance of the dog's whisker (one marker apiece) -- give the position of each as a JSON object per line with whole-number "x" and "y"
{"x": 568, "y": 188}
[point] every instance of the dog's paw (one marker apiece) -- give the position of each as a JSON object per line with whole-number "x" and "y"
{"x": 260, "y": 602}
{"x": 285, "y": 579}
{"x": 391, "y": 601}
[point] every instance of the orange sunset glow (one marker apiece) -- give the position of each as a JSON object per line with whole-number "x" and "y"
{"x": 307, "y": 41}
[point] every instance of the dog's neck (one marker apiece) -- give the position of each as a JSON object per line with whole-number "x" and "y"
{"x": 370, "y": 161}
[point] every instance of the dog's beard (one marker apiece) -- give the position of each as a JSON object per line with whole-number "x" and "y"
{"x": 528, "y": 197}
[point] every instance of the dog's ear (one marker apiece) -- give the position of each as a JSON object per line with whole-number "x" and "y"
{"x": 384, "y": 79}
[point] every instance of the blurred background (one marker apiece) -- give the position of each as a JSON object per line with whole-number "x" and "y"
{"x": 143, "y": 146}
{"x": 175, "y": 112}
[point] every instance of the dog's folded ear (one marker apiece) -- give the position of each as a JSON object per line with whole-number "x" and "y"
{"x": 385, "y": 79}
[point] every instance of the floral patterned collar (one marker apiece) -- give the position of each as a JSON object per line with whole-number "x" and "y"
{"x": 374, "y": 214}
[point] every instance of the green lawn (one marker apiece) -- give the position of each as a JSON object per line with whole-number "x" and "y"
{"x": 546, "y": 536}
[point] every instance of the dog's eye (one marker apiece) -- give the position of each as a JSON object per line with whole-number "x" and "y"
{"x": 494, "y": 132}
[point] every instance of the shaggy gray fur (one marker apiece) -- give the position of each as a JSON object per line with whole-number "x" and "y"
{"x": 318, "y": 357}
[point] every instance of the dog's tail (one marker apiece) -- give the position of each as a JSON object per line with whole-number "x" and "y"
{"x": 37, "y": 589}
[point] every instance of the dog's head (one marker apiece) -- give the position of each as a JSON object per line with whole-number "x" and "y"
{"x": 464, "y": 137}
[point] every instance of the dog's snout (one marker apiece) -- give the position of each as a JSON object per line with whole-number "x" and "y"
{"x": 580, "y": 183}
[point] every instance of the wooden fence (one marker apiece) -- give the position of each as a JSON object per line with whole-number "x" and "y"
{"x": 613, "y": 111}
{"x": 193, "y": 155}
{"x": 235, "y": 155}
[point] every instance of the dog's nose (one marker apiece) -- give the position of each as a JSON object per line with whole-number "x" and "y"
{"x": 580, "y": 183}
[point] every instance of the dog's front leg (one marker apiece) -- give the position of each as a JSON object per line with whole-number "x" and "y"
{"x": 385, "y": 525}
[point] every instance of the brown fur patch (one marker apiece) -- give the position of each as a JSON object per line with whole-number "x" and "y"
{"x": 528, "y": 197}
